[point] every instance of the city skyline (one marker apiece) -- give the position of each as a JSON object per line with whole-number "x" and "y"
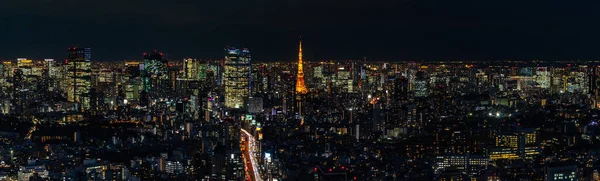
{"x": 237, "y": 119}
{"x": 268, "y": 90}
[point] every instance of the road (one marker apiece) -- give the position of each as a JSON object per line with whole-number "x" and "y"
{"x": 249, "y": 152}
{"x": 33, "y": 128}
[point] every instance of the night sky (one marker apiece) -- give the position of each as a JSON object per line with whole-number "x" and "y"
{"x": 351, "y": 29}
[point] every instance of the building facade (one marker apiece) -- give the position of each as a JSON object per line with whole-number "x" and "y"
{"x": 236, "y": 77}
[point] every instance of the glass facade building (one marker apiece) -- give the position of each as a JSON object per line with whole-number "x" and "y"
{"x": 236, "y": 76}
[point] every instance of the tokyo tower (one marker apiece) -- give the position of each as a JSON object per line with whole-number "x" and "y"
{"x": 300, "y": 87}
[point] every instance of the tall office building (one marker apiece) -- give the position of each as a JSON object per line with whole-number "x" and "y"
{"x": 50, "y": 67}
{"x": 24, "y": 82}
{"x": 202, "y": 69}
{"x": 190, "y": 69}
{"x": 401, "y": 89}
{"x": 79, "y": 74}
{"x": 17, "y": 94}
{"x": 155, "y": 67}
{"x": 472, "y": 78}
{"x": 421, "y": 88}
{"x": 542, "y": 77}
{"x": 236, "y": 76}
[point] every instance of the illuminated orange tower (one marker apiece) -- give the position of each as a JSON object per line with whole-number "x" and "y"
{"x": 300, "y": 87}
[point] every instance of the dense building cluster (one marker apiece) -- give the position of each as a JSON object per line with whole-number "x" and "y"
{"x": 235, "y": 119}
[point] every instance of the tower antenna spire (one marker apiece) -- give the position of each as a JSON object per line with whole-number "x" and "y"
{"x": 300, "y": 86}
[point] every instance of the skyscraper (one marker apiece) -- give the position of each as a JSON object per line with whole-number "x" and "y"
{"x": 155, "y": 67}
{"x": 401, "y": 89}
{"x": 421, "y": 89}
{"x": 202, "y": 69}
{"x": 79, "y": 73}
{"x": 236, "y": 76}
{"x": 190, "y": 69}
{"x": 17, "y": 81}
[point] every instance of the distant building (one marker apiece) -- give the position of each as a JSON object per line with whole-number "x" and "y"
{"x": 96, "y": 172}
{"x": 26, "y": 172}
{"x": 521, "y": 144}
{"x": 202, "y": 67}
{"x": 468, "y": 163}
{"x": 79, "y": 77}
{"x": 421, "y": 87}
{"x": 255, "y": 104}
{"x": 401, "y": 89}
{"x": 174, "y": 167}
{"x": 18, "y": 95}
{"x": 560, "y": 171}
{"x": 155, "y": 67}
{"x": 190, "y": 69}
{"x": 236, "y": 76}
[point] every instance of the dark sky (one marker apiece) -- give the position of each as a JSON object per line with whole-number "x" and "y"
{"x": 351, "y": 29}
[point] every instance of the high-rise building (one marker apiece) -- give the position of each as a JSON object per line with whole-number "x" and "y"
{"x": 216, "y": 67}
{"x": 401, "y": 89}
{"x": 202, "y": 69}
{"x": 420, "y": 88}
{"x": 17, "y": 93}
{"x": 79, "y": 77}
{"x": 472, "y": 78}
{"x": 190, "y": 69}
{"x": 542, "y": 76}
{"x": 236, "y": 77}
{"x": 155, "y": 67}
{"x": 50, "y": 68}
{"x": 255, "y": 104}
